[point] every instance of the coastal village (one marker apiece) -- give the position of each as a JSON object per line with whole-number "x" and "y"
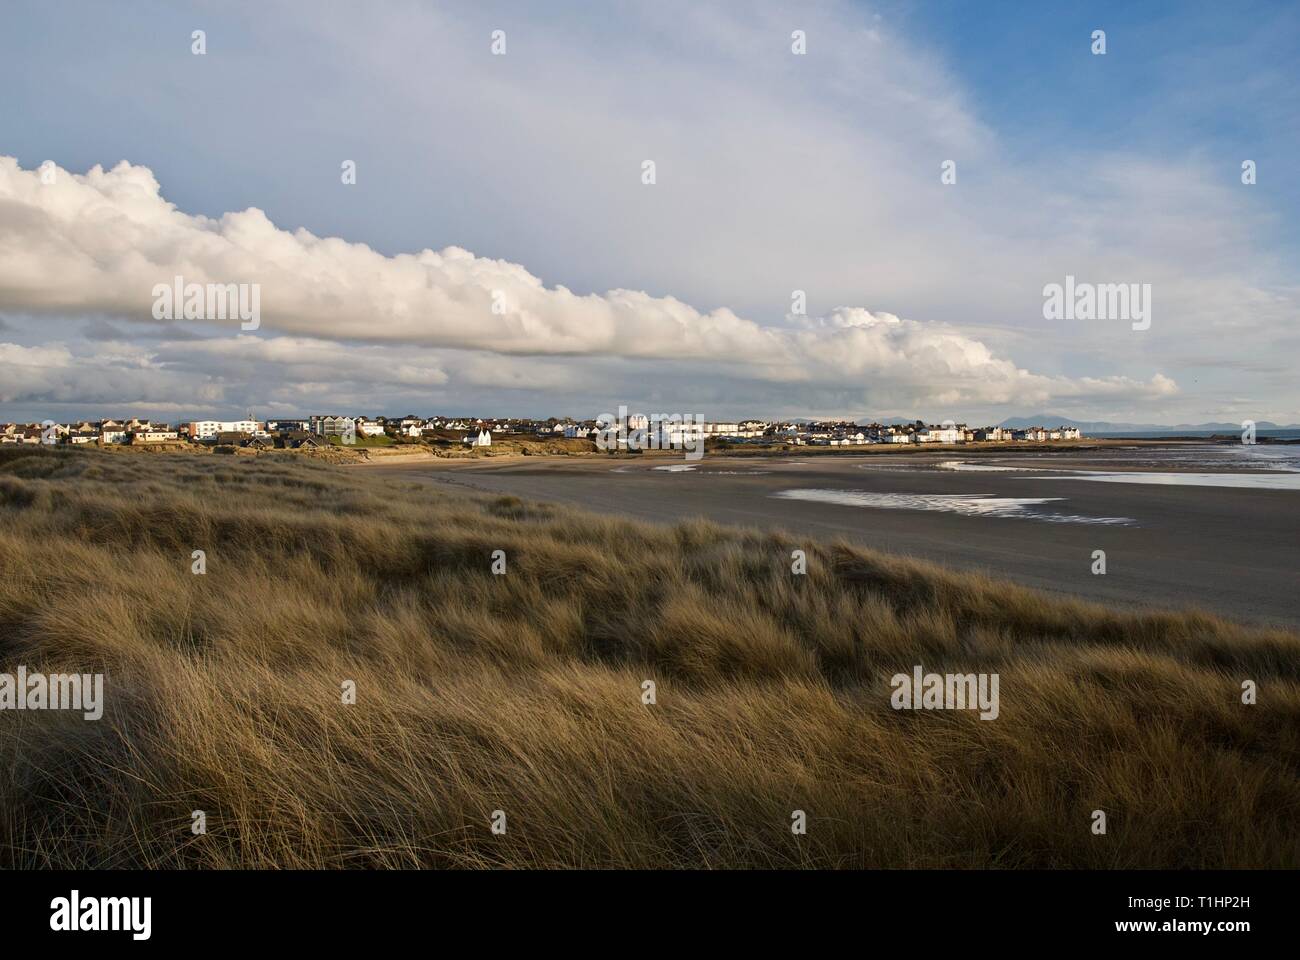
{"x": 366, "y": 431}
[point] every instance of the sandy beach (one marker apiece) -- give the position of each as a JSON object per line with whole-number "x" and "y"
{"x": 1178, "y": 537}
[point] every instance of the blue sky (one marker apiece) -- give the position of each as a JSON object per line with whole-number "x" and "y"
{"x": 776, "y": 173}
{"x": 1177, "y": 77}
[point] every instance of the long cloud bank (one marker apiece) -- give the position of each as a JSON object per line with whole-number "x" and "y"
{"x": 99, "y": 243}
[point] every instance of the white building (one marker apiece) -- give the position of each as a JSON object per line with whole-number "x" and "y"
{"x": 207, "y": 429}
{"x": 671, "y": 435}
{"x": 943, "y": 434}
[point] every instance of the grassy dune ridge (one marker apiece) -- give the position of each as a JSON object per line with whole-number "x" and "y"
{"x": 522, "y": 692}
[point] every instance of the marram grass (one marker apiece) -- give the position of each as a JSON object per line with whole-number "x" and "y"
{"x": 522, "y": 692}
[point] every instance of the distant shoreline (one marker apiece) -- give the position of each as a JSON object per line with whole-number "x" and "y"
{"x": 973, "y": 448}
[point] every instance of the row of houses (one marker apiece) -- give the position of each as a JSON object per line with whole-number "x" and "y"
{"x": 837, "y": 433}
{"x": 87, "y": 432}
{"x": 852, "y": 434}
{"x": 136, "y": 431}
{"x": 477, "y": 431}
{"x": 321, "y": 428}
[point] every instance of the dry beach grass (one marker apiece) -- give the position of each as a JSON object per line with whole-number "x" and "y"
{"x": 522, "y": 692}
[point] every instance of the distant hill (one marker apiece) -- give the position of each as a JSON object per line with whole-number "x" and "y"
{"x": 1103, "y": 426}
{"x": 1093, "y": 426}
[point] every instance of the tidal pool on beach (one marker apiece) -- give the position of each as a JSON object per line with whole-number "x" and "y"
{"x": 1260, "y": 481}
{"x": 968, "y": 505}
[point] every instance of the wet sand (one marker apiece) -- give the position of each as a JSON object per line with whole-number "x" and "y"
{"x": 1227, "y": 550}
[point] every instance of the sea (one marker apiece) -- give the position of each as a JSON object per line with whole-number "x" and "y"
{"x": 1205, "y": 434}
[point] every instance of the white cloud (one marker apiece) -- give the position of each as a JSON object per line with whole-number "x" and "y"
{"x": 119, "y": 376}
{"x": 98, "y": 243}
